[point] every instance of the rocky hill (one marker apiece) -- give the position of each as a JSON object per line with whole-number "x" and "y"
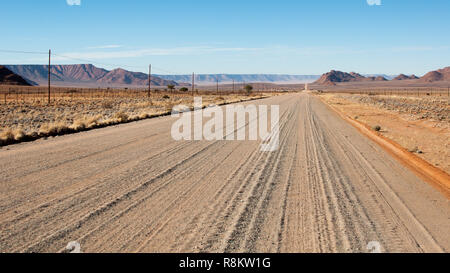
{"x": 333, "y": 77}
{"x": 438, "y": 75}
{"x": 7, "y": 77}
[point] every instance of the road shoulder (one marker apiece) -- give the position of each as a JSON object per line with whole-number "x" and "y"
{"x": 397, "y": 139}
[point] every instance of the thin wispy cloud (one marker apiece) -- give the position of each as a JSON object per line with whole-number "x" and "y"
{"x": 179, "y": 51}
{"x": 105, "y": 47}
{"x": 374, "y": 2}
{"x": 329, "y": 51}
{"x": 73, "y": 2}
{"x": 419, "y": 48}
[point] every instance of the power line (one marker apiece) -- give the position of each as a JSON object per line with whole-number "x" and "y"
{"x": 149, "y": 80}
{"x": 90, "y": 61}
{"x": 95, "y": 62}
{"x": 49, "y": 73}
{"x": 115, "y": 65}
{"x": 168, "y": 71}
{"x": 23, "y": 52}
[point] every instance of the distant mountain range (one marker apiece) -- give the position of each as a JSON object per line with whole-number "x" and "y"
{"x": 91, "y": 76}
{"x": 85, "y": 75}
{"x": 211, "y": 79}
{"x": 334, "y": 77}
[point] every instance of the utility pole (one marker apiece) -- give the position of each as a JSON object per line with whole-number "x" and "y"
{"x": 193, "y": 83}
{"x": 217, "y": 84}
{"x": 49, "y": 72}
{"x": 149, "y": 80}
{"x": 233, "y": 85}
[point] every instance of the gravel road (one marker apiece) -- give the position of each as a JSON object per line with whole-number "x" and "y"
{"x": 132, "y": 188}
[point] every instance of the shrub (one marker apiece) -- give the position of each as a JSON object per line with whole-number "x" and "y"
{"x": 377, "y": 128}
{"x": 171, "y": 87}
{"x": 416, "y": 150}
{"x": 248, "y": 88}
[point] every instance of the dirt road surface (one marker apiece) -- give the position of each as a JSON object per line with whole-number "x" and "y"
{"x": 132, "y": 188}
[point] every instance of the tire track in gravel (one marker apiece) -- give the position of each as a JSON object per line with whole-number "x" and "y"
{"x": 218, "y": 241}
{"x": 413, "y": 236}
{"x": 275, "y": 183}
{"x": 85, "y": 190}
{"x": 46, "y": 200}
{"x": 120, "y": 201}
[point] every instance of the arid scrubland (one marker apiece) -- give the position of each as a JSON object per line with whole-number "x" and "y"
{"x": 435, "y": 108}
{"x": 419, "y": 124}
{"x": 22, "y": 118}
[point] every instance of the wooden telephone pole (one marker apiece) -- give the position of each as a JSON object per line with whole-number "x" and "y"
{"x": 49, "y": 73}
{"x": 217, "y": 84}
{"x": 193, "y": 83}
{"x": 149, "y": 80}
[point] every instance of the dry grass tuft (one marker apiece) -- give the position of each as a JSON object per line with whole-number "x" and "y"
{"x": 53, "y": 129}
{"x": 86, "y": 122}
{"x": 121, "y": 116}
{"x": 7, "y": 135}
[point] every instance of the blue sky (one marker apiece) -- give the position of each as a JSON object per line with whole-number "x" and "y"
{"x": 260, "y": 36}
